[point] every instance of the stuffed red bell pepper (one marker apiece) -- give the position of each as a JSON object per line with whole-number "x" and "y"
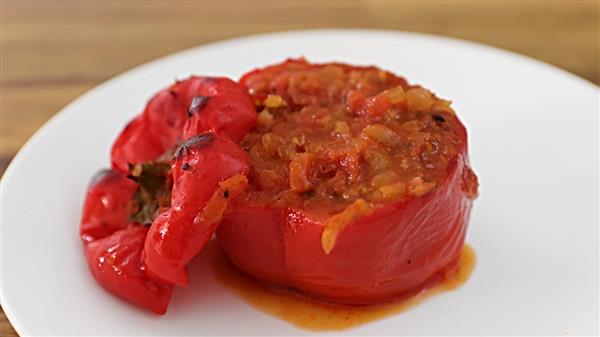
{"x": 359, "y": 188}
{"x": 354, "y": 186}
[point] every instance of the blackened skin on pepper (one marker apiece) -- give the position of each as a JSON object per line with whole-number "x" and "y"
{"x": 194, "y": 142}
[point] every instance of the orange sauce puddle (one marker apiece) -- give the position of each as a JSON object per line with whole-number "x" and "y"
{"x": 320, "y": 316}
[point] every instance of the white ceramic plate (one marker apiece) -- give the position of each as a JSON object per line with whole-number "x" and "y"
{"x": 534, "y": 144}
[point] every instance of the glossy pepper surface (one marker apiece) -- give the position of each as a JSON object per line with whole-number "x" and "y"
{"x": 377, "y": 257}
{"x": 185, "y": 109}
{"x": 113, "y": 245}
{"x": 354, "y": 248}
{"x": 122, "y": 201}
{"x": 208, "y": 172}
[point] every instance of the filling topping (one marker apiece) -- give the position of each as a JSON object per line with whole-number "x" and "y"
{"x": 333, "y": 136}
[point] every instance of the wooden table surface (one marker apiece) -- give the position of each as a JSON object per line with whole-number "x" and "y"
{"x": 52, "y": 52}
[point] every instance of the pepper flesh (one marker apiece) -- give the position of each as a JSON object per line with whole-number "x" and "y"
{"x": 115, "y": 262}
{"x": 105, "y": 209}
{"x": 200, "y": 167}
{"x": 113, "y": 245}
{"x": 112, "y": 242}
{"x": 378, "y": 257}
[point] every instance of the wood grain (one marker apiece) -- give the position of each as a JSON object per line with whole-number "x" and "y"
{"x": 52, "y": 52}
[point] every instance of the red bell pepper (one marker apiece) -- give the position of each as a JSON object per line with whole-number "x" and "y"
{"x": 113, "y": 244}
{"x": 208, "y": 172}
{"x": 185, "y": 109}
{"x": 369, "y": 252}
{"x": 381, "y": 255}
{"x": 116, "y": 206}
{"x": 115, "y": 262}
{"x": 105, "y": 209}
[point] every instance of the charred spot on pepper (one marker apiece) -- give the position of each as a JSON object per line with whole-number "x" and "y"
{"x": 194, "y": 142}
{"x": 185, "y": 166}
{"x": 438, "y": 118}
{"x": 198, "y": 102}
{"x": 226, "y": 194}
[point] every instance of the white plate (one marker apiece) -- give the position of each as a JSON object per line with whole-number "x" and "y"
{"x": 534, "y": 144}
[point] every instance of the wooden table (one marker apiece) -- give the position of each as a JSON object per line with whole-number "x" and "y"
{"x": 53, "y": 52}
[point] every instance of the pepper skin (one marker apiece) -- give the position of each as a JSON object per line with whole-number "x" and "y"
{"x": 198, "y": 200}
{"x": 113, "y": 245}
{"x": 185, "y": 109}
{"x": 378, "y": 257}
{"x": 105, "y": 208}
{"x": 115, "y": 262}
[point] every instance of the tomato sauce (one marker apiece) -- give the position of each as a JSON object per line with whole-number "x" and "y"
{"x": 309, "y": 314}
